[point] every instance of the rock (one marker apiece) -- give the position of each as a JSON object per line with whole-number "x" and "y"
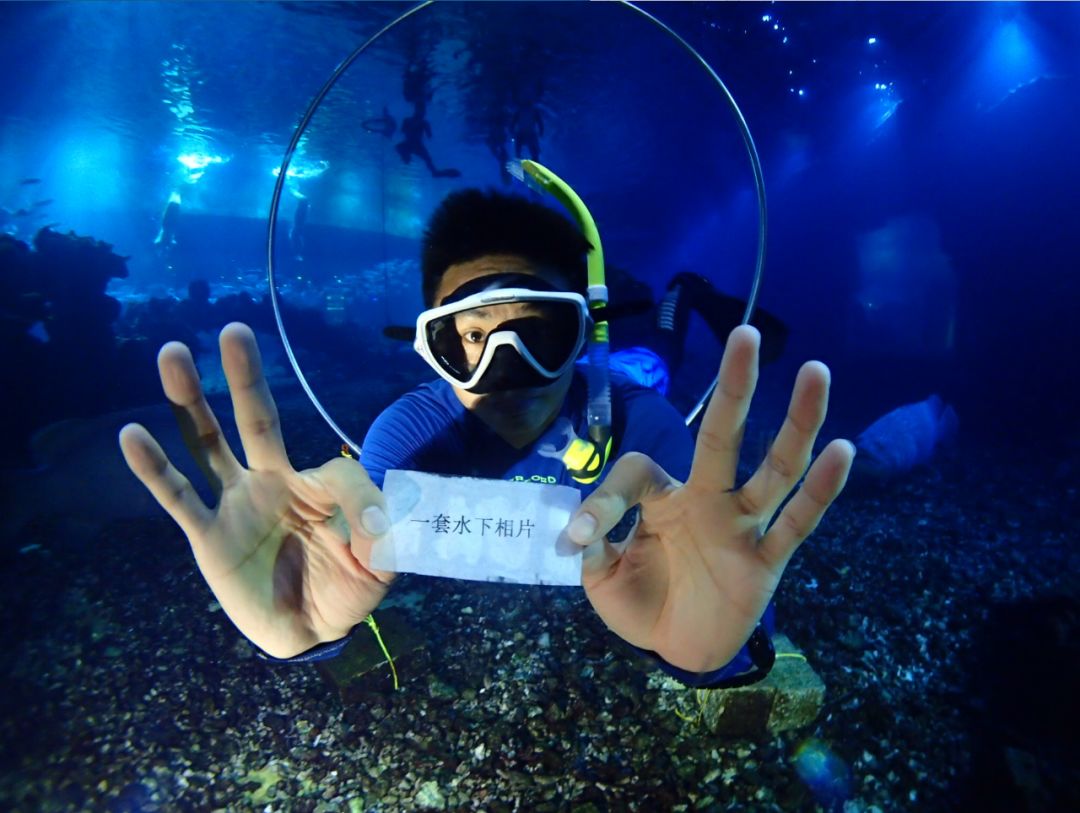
{"x": 264, "y": 781}
{"x": 440, "y": 689}
{"x": 363, "y": 653}
{"x": 741, "y": 713}
{"x": 429, "y": 796}
{"x": 800, "y": 693}
{"x": 789, "y": 698}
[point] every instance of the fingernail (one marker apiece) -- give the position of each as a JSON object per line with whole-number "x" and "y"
{"x": 374, "y": 520}
{"x": 581, "y": 530}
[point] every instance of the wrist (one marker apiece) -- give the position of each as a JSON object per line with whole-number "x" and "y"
{"x": 749, "y": 665}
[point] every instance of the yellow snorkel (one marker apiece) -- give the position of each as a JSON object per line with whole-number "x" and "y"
{"x": 584, "y": 458}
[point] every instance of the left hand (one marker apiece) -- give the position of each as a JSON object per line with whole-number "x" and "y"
{"x": 701, "y": 567}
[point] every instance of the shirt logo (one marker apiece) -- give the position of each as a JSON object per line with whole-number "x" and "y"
{"x": 536, "y": 478}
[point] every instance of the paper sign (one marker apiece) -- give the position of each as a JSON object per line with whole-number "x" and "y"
{"x": 485, "y": 530}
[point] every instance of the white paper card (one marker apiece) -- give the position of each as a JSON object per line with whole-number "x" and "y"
{"x": 485, "y": 530}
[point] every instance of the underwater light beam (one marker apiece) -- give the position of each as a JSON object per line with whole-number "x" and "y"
{"x": 303, "y": 170}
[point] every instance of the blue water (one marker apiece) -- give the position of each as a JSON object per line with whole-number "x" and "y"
{"x": 920, "y": 162}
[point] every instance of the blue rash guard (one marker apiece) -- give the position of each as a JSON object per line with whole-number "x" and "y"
{"x": 429, "y": 430}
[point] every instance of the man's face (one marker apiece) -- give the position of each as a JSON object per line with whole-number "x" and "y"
{"x": 518, "y": 416}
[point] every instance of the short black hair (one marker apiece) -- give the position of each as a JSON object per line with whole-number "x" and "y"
{"x": 474, "y": 223}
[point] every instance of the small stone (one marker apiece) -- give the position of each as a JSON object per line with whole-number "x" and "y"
{"x": 439, "y": 689}
{"x": 429, "y": 796}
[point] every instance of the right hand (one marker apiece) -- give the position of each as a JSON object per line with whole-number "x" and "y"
{"x": 286, "y": 553}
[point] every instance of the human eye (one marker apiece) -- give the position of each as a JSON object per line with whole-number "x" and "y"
{"x": 472, "y": 336}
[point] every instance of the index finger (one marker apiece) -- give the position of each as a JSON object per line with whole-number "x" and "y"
{"x": 716, "y": 452}
{"x": 172, "y": 490}
{"x": 253, "y": 405}
{"x": 198, "y": 425}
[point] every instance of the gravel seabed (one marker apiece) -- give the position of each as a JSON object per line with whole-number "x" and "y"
{"x": 126, "y": 689}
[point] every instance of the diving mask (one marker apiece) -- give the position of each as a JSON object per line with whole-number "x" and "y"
{"x": 503, "y": 332}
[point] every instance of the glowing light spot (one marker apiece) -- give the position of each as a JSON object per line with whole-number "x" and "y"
{"x": 826, "y": 775}
{"x": 872, "y": 41}
{"x": 802, "y": 92}
{"x": 301, "y": 170}
{"x": 766, "y": 18}
{"x": 887, "y": 110}
{"x": 1013, "y": 53}
{"x": 1011, "y": 59}
{"x": 776, "y": 27}
{"x": 199, "y": 160}
{"x": 784, "y": 41}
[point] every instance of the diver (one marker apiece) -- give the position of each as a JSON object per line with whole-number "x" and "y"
{"x": 414, "y": 129}
{"x": 496, "y": 141}
{"x": 298, "y": 230}
{"x": 694, "y": 568}
{"x": 687, "y": 291}
{"x": 527, "y": 126}
{"x": 170, "y": 223}
{"x": 197, "y": 310}
{"x": 416, "y": 88}
{"x": 416, "y": 83}
{"x": 650, "y": 337}
{"x": 384, "y": 125}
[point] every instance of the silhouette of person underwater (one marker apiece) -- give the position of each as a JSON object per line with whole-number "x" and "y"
{"x": 416, "y": 87}
{"x": 527, "y": 126}
{"x": 414, "y": 129}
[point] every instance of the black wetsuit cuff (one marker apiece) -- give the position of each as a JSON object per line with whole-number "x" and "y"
{"x": 320, "y": 652}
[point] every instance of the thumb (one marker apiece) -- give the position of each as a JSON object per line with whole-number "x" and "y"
{"x": 362, "y": 506}
{"x": 597, "y": 561}
{"x": 633, "y": 479}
